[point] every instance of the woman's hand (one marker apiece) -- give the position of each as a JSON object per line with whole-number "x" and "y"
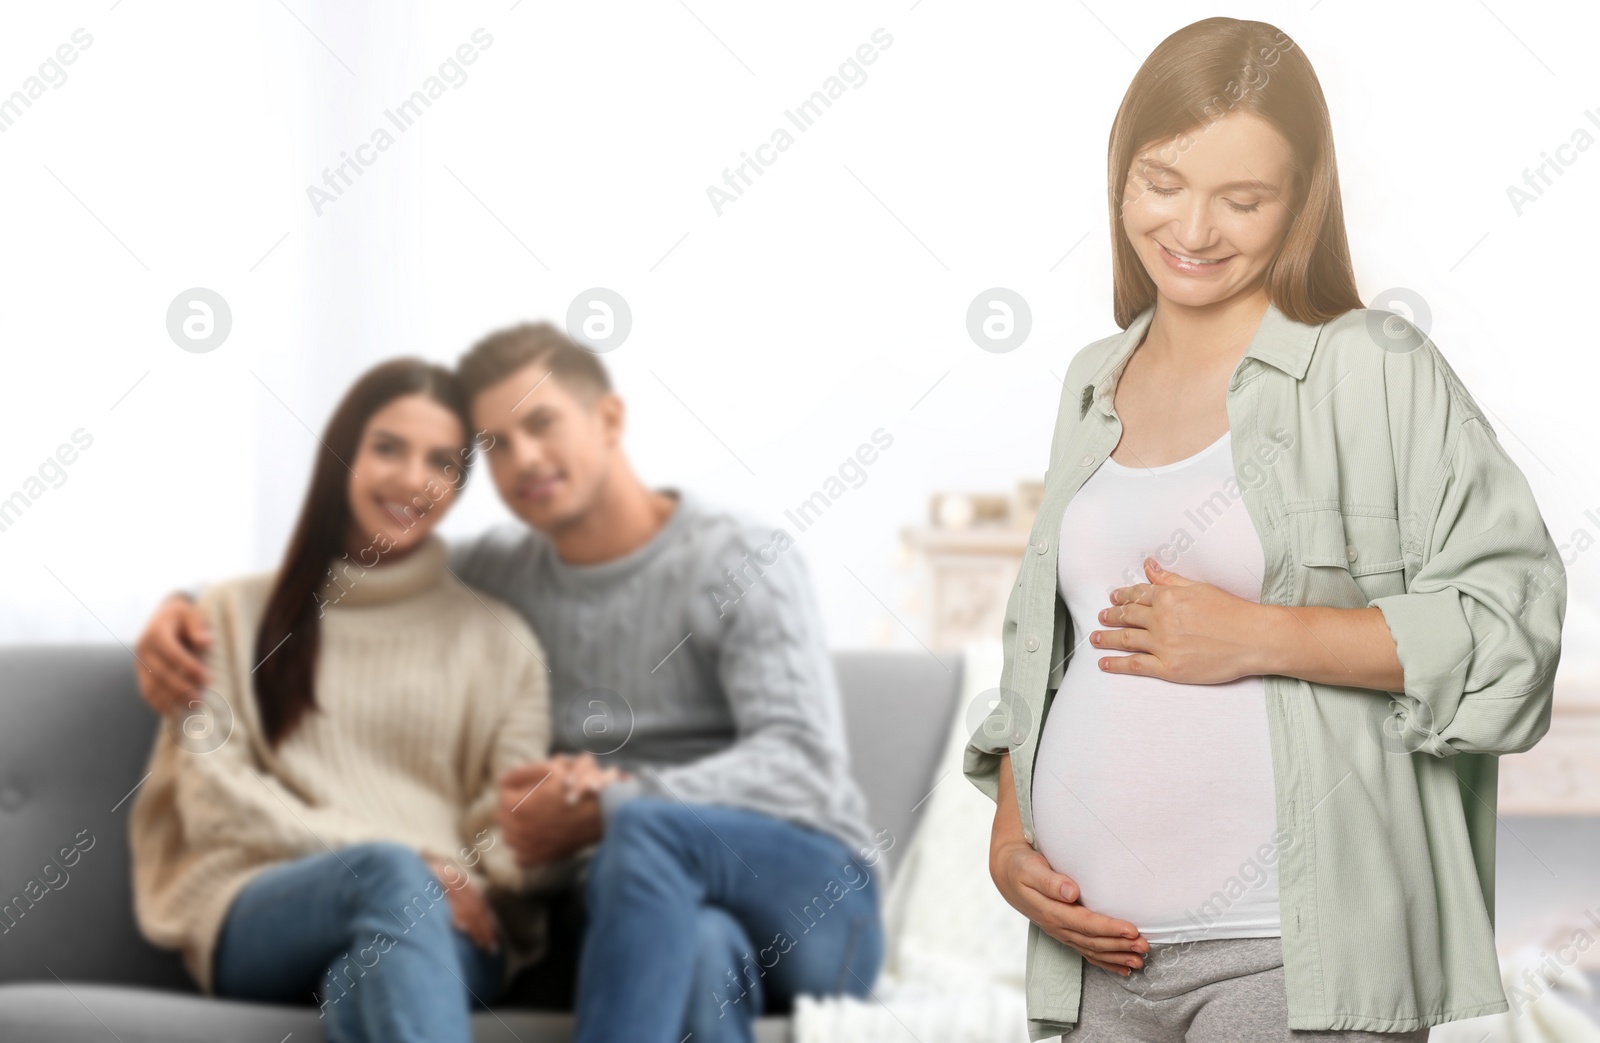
{"x": 1033, "y": 888}
{"x": 584, "y": 775}
{"x": 1182, "y": 630}
{"x": 1050, "y": 899}
{"x": 469, "y": 908}
{"x": 537, "y": 820}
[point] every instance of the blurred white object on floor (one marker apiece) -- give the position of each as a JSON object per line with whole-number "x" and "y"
{"x": 1535, "y": 977}
{"x": 955, "y": 954}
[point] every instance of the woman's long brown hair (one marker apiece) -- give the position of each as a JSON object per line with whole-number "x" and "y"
{"x": 1196, "y": 76}
{"x": 289, "y": 637}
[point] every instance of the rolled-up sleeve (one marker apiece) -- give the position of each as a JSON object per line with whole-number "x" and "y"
{"x": 1478, "y": 631}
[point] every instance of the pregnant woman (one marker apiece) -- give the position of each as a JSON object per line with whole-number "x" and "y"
{"x": 1286, "y": 602}
{"x": 321, "y": 829}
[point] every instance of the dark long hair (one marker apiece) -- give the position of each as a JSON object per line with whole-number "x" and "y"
{"x": 290, "y": 634}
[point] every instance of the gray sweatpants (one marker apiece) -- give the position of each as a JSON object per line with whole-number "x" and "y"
{"x": 1221, "y": 990}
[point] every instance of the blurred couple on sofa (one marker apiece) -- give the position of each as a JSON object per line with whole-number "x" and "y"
{"x": 600, "y": 750}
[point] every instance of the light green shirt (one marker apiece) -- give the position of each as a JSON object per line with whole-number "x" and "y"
{"x": 1372, "y": 478}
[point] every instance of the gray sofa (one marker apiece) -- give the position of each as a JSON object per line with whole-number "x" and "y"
{"x": 74, "y": 736}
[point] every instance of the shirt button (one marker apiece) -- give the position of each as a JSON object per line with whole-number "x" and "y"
{"x": 1350, "y": 552}
{"x": 1042, "y": 546}
{"x": 1032, "y": 644}
{"x": 1088, "y": 458}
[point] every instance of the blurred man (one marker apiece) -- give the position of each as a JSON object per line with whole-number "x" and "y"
{"x": 711, "y": 853}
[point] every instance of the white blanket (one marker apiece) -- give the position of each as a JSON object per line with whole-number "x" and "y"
{"x": 955, "y": 952}
{"x": 1534, "y": 984}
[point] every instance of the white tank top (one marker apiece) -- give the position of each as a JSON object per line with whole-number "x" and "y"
{"x": 1157, "y": 797}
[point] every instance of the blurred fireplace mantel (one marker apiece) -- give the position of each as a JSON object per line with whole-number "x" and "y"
{"x": 1560, "y": 775}
{"x": 970, "y": 572}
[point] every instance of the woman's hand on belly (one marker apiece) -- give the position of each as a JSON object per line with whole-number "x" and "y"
{"x": 1181, "y": 630}
{"x": 1033, "y": 888}
{"x": 1050, "y": 899}
{"x": 469, "y": 907}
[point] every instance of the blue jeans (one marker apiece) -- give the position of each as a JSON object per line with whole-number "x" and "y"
{"x": 699, "y": 917}
{"x": 361, "y": 928}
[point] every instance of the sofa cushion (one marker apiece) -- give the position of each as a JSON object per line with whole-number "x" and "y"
{"x": 897, "y": 711}
{"x": 74, "y": 738}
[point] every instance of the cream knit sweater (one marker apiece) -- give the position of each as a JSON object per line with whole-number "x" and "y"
{"x": 426, "y": 691}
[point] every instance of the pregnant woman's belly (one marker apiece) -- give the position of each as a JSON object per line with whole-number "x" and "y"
{"x": 1157, "y": 798}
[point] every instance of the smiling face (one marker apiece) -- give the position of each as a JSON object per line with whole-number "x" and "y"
{"x": 1206, "y": 221}
{"x": 549, "y": 451}
{"x": 407, "y": 470}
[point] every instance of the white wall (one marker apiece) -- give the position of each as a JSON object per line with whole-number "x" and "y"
{"x": 769, "y": 340}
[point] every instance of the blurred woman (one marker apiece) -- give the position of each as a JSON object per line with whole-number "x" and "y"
{"x": 322, "y": 826}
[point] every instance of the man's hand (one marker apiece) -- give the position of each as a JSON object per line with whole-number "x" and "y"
{"x": 168, "y": 655}
{"x": 537, "y": 819}
{"x": 1050, "y": 899}
{"x": 469, "y": 909}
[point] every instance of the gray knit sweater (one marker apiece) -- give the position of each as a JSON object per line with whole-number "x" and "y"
{"x": 698, "y": 662}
